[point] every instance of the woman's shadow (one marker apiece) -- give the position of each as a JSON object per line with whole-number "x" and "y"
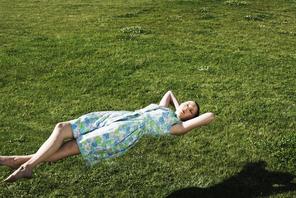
{"x": 252, "y": 181}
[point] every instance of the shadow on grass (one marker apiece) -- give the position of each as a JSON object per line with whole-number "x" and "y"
{"x": 253, "y": 180}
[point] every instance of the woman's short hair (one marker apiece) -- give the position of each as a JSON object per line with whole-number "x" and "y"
{"x": 198, "y": 110}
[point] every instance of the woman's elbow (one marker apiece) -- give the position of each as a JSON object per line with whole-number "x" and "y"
{"x": 211, "y": 116}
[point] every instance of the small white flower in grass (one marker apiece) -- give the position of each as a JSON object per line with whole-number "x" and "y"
{"x": 132, "y": 30}
{"x": 236, "y": 3}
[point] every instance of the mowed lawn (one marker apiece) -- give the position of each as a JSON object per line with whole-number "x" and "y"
{"x": 62, "y": 59}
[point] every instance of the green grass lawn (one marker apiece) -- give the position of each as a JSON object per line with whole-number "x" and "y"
{"x": 62, "y": 59}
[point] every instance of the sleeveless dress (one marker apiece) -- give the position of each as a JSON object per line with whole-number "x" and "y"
{"x": 107, "y": 134}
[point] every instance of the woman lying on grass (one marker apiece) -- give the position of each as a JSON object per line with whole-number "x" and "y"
{"x": 107, "y": 134}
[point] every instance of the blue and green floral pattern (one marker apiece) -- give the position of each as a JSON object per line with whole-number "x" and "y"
{"x": 107, "y": 134}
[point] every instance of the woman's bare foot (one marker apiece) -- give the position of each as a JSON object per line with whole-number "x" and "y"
{"x": 12, "y": 161}
{"x": 22, "y": 172}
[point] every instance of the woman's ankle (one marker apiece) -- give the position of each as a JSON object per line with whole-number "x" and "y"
{"x": 21, "y": 159}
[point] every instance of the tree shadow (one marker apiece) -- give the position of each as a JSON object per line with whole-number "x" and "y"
{"x": 252, "y": 181}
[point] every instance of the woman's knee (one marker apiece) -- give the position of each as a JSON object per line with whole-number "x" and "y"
{"x": 64, "y": 129}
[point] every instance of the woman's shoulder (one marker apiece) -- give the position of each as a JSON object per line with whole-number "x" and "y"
{"x": 152, "y": 106}
{"x": 162, "y": 107}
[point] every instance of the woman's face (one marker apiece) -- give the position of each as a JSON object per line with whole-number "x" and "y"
{"x": 186, "y": 110}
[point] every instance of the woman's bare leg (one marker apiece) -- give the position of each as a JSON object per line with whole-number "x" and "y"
{"x": 50, "y": 146}
{"x": 69, "y": 148}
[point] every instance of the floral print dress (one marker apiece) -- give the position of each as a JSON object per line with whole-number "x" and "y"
{"x": 107, "y": 134}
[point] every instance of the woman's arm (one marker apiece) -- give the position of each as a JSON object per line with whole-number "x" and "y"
{"x": 174, "y": 100}
{"x": 186, "y": 126}
{"x": 168, "y": 99}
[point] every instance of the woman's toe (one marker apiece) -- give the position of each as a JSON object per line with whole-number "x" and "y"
{"x": 21, "y": 172}
{"x": 10, "y": 178}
